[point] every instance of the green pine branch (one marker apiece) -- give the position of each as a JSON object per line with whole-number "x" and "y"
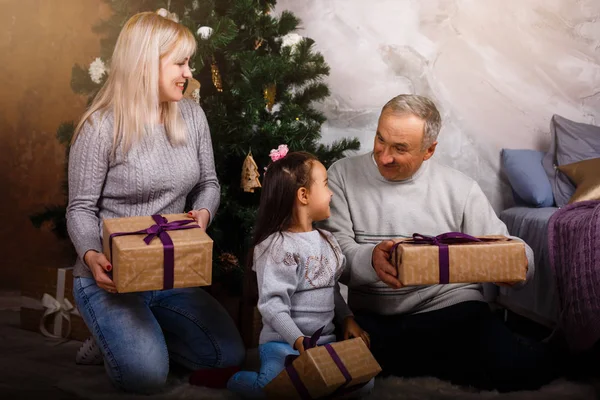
{"x": 287, "y": 23}
{"x": 81, "y": 83}
{"x": 53, "y": 215}
{"x": 65, "y": 132}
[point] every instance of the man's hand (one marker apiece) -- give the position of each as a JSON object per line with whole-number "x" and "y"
{"x": 382, "y": 265}
{"x": 99, "y": 265}
{"x": 353, "y": 330}
{"x": 299, "y": 344}
{"x": 201, "y": 216}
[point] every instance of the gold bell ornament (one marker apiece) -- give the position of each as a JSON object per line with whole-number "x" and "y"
{"x": 216, "y": 76}
{"x": 269, "y": 95}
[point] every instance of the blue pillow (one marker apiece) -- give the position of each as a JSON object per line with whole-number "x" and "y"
{"x": 527, "y": 176}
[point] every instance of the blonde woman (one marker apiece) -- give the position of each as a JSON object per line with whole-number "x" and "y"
{"x": 142, "y": 149}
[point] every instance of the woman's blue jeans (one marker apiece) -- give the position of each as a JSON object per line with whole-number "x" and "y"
{"x": 139, "y": 333}
{"x": 250, "y": 384}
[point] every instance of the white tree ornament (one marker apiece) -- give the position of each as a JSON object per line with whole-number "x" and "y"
{"x": 204, "y": 32}
{"x": 166, "y": 14}
{"x": 97, "y": 70}
{"x": 291, "y": 40}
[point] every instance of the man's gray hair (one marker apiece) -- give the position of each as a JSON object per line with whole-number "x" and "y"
{"x": 421, "y": 107}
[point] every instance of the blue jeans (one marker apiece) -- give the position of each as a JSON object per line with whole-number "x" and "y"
{"x": 139, "y": 333}
{"x": 272, "y": 361}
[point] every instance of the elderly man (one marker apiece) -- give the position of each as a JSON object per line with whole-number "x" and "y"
{"x": 447, "y": 331}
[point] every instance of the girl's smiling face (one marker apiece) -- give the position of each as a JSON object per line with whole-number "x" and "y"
{"x": 319, "y": 194}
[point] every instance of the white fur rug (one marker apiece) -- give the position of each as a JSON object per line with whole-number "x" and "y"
{"x": 91, "y": 382}
{"x": 94, "y": 387}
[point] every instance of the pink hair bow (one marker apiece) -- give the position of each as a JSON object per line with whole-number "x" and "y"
{"x": 278, "y": 154}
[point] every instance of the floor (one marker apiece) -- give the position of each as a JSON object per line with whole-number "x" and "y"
{"x": 32, "y": 367}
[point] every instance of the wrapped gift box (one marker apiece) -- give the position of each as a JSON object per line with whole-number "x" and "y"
{"x": 31, "y": 317}
{"x": 157, "y": 252}
{"x": 316, "y": 373}
{"x": 47, "y": 304}
{"x": 457, "y": 258}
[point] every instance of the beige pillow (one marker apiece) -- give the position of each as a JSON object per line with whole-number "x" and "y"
{"x": 586, "y": 176}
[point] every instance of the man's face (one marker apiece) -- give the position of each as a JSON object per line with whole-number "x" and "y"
{"x": 398, "y": 147}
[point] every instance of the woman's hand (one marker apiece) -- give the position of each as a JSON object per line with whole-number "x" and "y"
{"x": 99, "y": 265}
{"x": 201, "y": 216}
{"x": 352, "y": 330}
{"x": 299, "y": 344}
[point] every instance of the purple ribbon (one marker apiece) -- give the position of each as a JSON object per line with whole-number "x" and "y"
{"x": 309, "y": 343}
{"x": 160, "y": 229}
{"x": 442, "y": 241}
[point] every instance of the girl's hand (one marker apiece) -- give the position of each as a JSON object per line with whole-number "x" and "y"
{"x": 99, "y": 266}
{"x": 299, "y": 344}
{"x": 352, "y": 330}
{"x": 201, "y": 216}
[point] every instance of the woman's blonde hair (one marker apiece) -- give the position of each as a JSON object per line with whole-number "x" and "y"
{"x": 131, "y": 89}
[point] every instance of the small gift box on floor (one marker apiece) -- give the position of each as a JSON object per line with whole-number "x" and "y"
{"x": 454, "y": 257}
{"x": 47, "y": 304}
{"x": 157, "y": 252}
{"x": 329, "y": 370}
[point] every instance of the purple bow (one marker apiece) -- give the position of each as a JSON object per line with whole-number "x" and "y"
{"x": 442, "y": 241}
{"x": 309, "y": 343}
{"x": 160, "y": 229}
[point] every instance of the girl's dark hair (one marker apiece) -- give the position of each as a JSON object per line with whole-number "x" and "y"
{"x": 280, "y": 185}
{"x": 278, "y": 195}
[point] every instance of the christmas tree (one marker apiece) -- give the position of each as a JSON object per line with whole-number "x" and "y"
{"x": 258, "y": 80}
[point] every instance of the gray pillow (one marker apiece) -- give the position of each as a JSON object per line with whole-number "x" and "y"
{"x": 570, "y": 142}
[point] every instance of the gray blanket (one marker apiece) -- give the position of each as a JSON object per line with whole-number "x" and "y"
{"x": 574, "y": 249}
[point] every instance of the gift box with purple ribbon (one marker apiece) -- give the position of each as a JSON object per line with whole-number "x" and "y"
{"x": 455, "y": 257}
{"x": 332, "y": 370}
{"x": 157, "y": 252}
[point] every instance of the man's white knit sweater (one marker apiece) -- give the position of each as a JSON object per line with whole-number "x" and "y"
{"x": 367, "y": 209}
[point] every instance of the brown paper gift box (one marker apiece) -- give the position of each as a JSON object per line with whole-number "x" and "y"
{"x": 495, "y": 259}
{"x": 46, "y": 280}
{"x": 319, "y": 373}
{"x": 42, "y": 280}
{"x": 31, "y": 317}
{"x": 138, "y": 266}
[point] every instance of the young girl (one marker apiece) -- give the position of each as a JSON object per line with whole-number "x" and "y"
{"x": 297, "y": 269}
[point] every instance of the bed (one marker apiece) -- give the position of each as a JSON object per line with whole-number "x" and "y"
{"x": 537, "y": 300}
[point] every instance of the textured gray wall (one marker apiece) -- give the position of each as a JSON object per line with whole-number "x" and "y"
{"x": 497, "y": 69}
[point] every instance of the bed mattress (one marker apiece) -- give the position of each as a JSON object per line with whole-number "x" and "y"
{"x": 536, "y": 300}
